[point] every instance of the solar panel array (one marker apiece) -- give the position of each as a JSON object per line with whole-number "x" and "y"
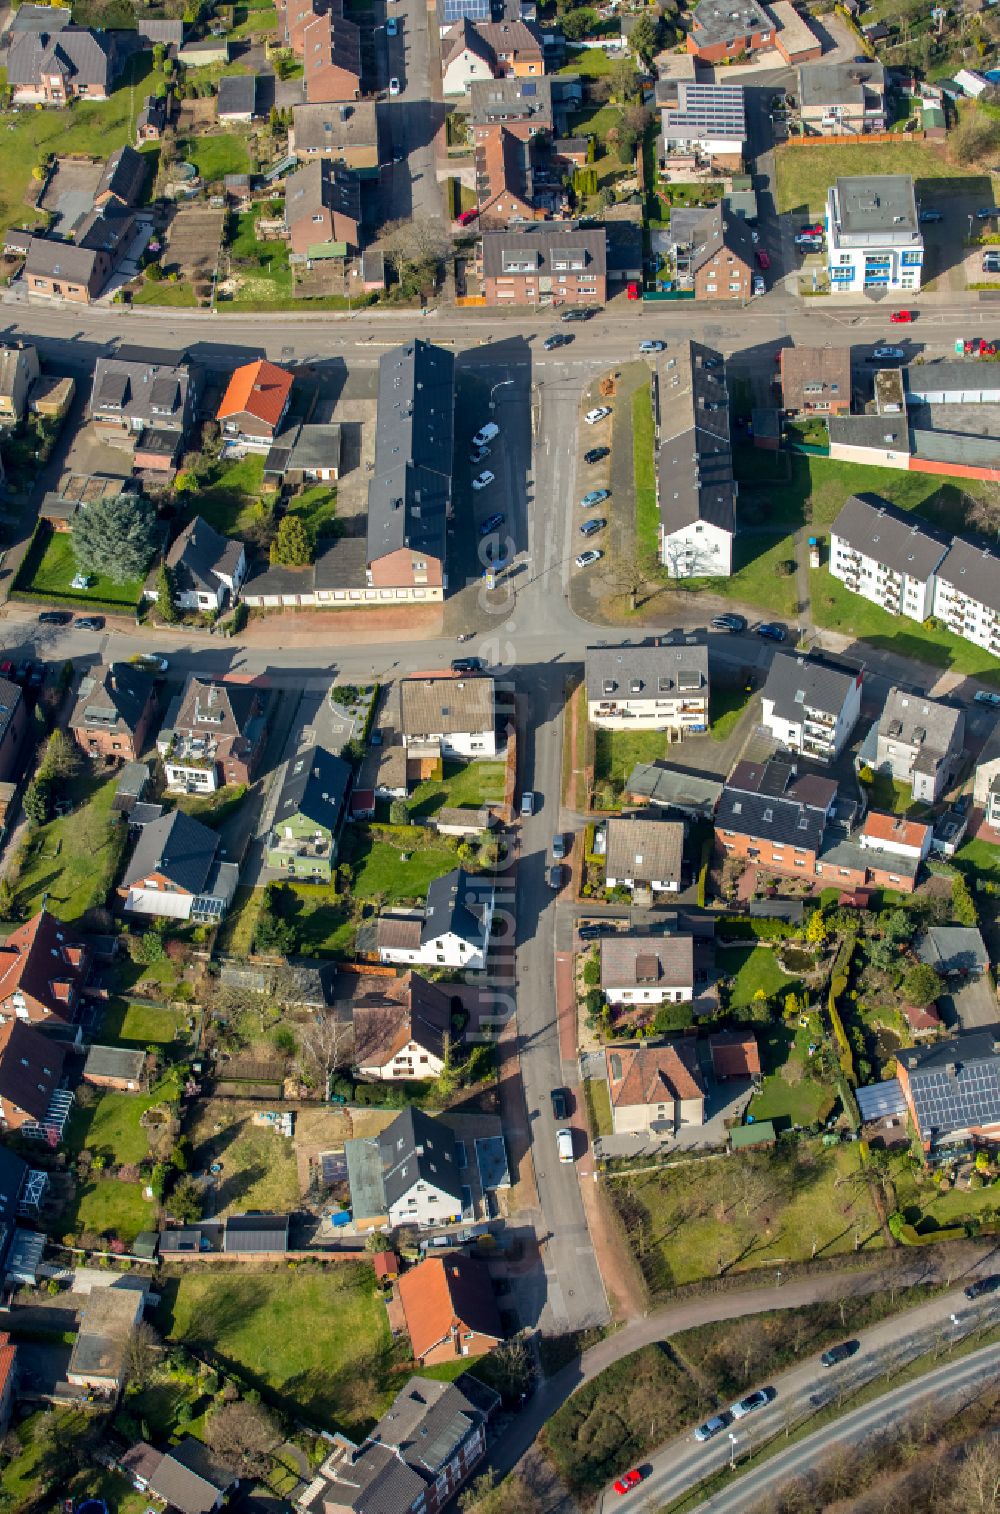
{"x": 475, "y": 10}
{"x": 881, "y": 1099}
{"x": 967, "y": 1096}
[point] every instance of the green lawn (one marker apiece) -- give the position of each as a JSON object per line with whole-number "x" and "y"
{"x": 213, "y": 809}
{"x": 128, "y": 1024}
{"x": 725, "y": 709}
{"x": 379, "y": 872}
{"x": 598, "y": 1097}
{"x": 318, "y": 1340}
{"x": 805, "y": 174}
{"x": 107, "y": 1207}
{"x": 789, "y": 1095}
{"x": 752, "y": 968}
{"x": 744, "y": 1212}
{"x": 465, "y": 785}
{"x": 647, "y": 516}
{"x": 111, "y": 1126}
{"x": 927, "y": 1207}
{"x": 755, "y": 579}
{"x": 90, "y": 127}
{"x": 227, "y": 494}
{"x": 980, "y": 859}
{"x": 259, "y": 1170}
{"x": 262, "y": 267}
{"x": 21, "y": 1477}
{"x": 236, "y": 932}
{"x": 316, "y": 507}
{"x": 891, "y": 797}
{"x": 73, "y": 859}
{"x": 51, "y": 567}
{"x": 217, "y": 155}
{"x": 253, "y": 21}
{"x": 617, "y": 752}
{"x": 180, "y": 295}
{"x": 588, "y": 62}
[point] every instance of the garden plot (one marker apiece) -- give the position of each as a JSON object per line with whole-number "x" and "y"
{"x": 193, "y": 239}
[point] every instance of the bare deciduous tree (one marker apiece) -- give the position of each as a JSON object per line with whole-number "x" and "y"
{"x": 976, "y": 1484}
{"x": 324, "y": 1044}
{"x": 421, "y": 240}
{"x": 142, "y": 1352}
{"x": 243, "y": 1435}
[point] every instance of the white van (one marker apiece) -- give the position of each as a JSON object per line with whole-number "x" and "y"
{"x": 564, "y": 1145}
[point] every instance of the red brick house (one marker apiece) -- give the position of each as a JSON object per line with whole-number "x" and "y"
{"x": 545, "y": 265}
{"x": 768, "y": 817}
{"x": 42, "y": 972}
{"x": 450, "y": 1309}
{"x": 255, "y": 403}
{"x": 331, "y": 57}
{"x": 31, "y": 1067}
{"x": 721, "y": 29}
{"x": 113, "y": 713}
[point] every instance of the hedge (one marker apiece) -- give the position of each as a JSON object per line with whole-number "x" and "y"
{"x": 908, "y": 1235}
{"x": 742, "y": 928}
{"x": 75, "y": 602}
{"x": 706, "y": 859}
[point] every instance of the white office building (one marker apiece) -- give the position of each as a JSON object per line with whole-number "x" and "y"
{"x": 873, "y": 234}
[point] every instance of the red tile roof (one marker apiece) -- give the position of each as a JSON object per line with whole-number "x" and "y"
{"x": 734, "y": 1054}
{"x": 444, "y": 1294}
{"x": 650, "y": 1074}
{"x": 8, "y": 1359}
{"x": 49, "y": 968}
{"x": 894, "y": 828}
{"x": 259, "y": 389}
{"x": 31, "y": 1066}
{"x": 922, "y": 1017}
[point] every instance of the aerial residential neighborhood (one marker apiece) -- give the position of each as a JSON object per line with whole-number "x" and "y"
{"x": 499, "y": 757}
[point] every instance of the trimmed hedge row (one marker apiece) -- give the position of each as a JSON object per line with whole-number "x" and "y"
{"x": 74, "y": 602}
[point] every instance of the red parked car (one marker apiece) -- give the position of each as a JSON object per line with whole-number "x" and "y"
{"x": 762, "y": 258}
{"x": 629, "y": 1481}
{"x": 467, "y": 216}
{"x": 902, "y": 317}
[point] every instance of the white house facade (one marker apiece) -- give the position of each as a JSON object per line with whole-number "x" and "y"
{"x": 873, "y": 234}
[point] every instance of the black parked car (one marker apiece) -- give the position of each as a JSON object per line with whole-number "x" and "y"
{"x": 983, "y": 1285}
{"x": 467, "y": 665}
{"x": 595, "y": 454}
{"x": 54, "y": 618}
{"x": 560, "y": 1103}
{"x": 839, "y": 1353}
{"x": 577, "y": 315}
{"x": 558, "y": 339}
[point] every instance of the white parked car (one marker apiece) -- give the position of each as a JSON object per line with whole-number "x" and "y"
{"x": 394, "y": 86}
{"x": 599, "y": 414}
{"x": 483, "y": 480}
{"x": 586, "y": 558}
{"x": 651, "y": 346}
{"x": 486, "y": 434}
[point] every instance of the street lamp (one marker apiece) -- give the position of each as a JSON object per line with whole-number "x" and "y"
{"x": 502, "y": 385}
{"x": 733, "y": 1442}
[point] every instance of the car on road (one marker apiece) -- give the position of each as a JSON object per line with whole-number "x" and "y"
{"x": 594, "y": 497}
{"x": 467, "y": 665}
{"x": 595, "y": 930}
{"x": 986, "y": 696}
{"x": 734, "y": 624}
{"x": 983, "y": 1285}
{"x": 929, "y": 217}
{"x": 596, "y": 454}
{"x": 560, "y": 1103}
{"x": 902, "y": 317}
{"x": 886, "y": 355}
{"x": 485, "y": 435}
{"x": 991, "y": 263}
{"x": 554, "y": 876}
{"x": 652, "y": 346}
{"x": 557, "y": 339}
{"x": 90, "y": 623}
{"x": 599, "y": 413}
{"x": 54, "y": 618}
{"x": 629, "y": 1480}
{"x": 809, "y": 239}
{"x": 559, "y": 846}
{"x": 770, "y": 631}
{"x": 394, "y": 86}
{"x": 759, "y": 287}
{"x": 592, "y": 526}
{"x": 564, "y": 1144}
{"x": 577, "y": 315}
{"x": 762, "y": 258}
{"x": 151, "y": 662}
{"x": 711, "y": 1427}
{"x": 479, "y": 454}
{"x": 586, "y": 559}
{"x": 491, "y": 523}
{"x": 527, "y": 802}
{"x": 837, "y": 1354}
{"x": 391, "y": 27}
{"x": 987, "y": 213}
{"x": 756, "y": 1400}
{"x": 484, "y": 480}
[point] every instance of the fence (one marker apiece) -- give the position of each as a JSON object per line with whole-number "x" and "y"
{"x": 667, "y": 294}
{"x": 856, "y": 139}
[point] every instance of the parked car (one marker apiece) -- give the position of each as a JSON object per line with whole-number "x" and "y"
{"x": 595, "y": 454}
{"x": 6, "y": 668}
{"x": 54, "y": 618}
{"x": 987, "y": 213}
{"x": 150, "y": 662}
{"x": 467, "y": 217}
{"x": 479, "y": 454}
{"x": 564, "y": 1144}
{"x": 594, "y": 497}
{"x": 816, "y": 229}
{"x": 711, "y": 1427}
{"x": 527, "y": 803}
{"x": 734, "y": 624}
{"x": 560, "y": 1103}
{"x": 554, "y": 877}
{"x": 486, "y": 434}
{"x": 983, "y": 1285}
{"x": 592, "y": 526}
{"x": 557, "y": 339}
{"x": 652, "y": 346}
{"x": 579, "y": 314}
{"x": 559, "y": 846}
{"x": 599, "y": 413}
{"x": 770, "y": 631}
{"x": 837, "y": 1354}
{"x": 467, "y": 665}
{"x": 756, "y": 1400}
{"x": 887, "y": 355}
{"x": 90, "y": 623}
{"x": 394, "y": 86}
{"x": 762, "y": 258}
{"x": 991, "y": 265}
{"x": 484, "y": 480}
{"x": 902, "y": 317}
{"x": 759, "y": 287}
{"x": 593, "y": 931}
{"x": 628, "y": 1481}
{"x": 491, "y": 523}
{"x": 928, "y": 217}
{"x": 391, "y": 27}
{"x": 986, "y": 696}
{"x": 586, "y": 559}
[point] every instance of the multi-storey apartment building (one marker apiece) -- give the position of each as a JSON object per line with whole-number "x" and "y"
{"x": 809, "y": 706}
{"x": 873, "y": 234}
{"x": 651, "y": 688}
{"x": 886, "y": 555}
{"x": 967, "y": 594}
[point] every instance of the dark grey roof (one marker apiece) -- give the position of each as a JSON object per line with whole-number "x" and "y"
{"x": 900, "y": 541}
{"x": 455, "y": 903}
{"x": 316, "y": 446}
{"x": 647, "y": 672}
{"x": 150, "y": 387}
{"x": 840, "y": 83}
{"x": 538, "y": 249}
{"x": 335, "y": 126}
{"x": 954, "y": 1084}
{"x": 10, "y": 698}
{"x": 674, "y": 788}
{"x": 869, "y": 205}
{"x": 187, "y": 1238}
{"x": 880, "y": 431}
{"x": 189, "y": 1479}
{"x": 153, "y": 113}
{"x": 340, "y": 565}
{"x": 915, "y": 720}
{"x": 256, "y": 1232}
{"x": 954, "y": 948}
{"x": 113, "y": 699}
{"x": 724, "y": 20}
{"x": 199, "y": 555}
{"x": 761, "y": 802}
{"x": 13, "y": 1172}
{"x": 114, "y": 1062}
{"x": 796, "y": 684}
{"x": 952, "y": 447}
{"x": 372, "y": 1481}
{"x": 237, "y": 95}
{"x": 180, "y": 848}
{"x": 40, "y": 18}
{"x": 427, "y": 1423}
{"x": 169, "y": 32}
{"x": 949, "y": 374}
{"x": 847, "y": 853}
{"x": 974, "y": 571}
{"x": 319, "y": 185}
{"x": 695, "y": 466}
{"x": 622, "y": 247}
{"x": 498, "y": 100}
{"x": 124, "y": 176}
{"x": 416, "y": 1148}
{"x": 49, "y": 258}
{"x": 414, "y": 439}
{"x": 316, "y": 785}
{"x": 86, "y": 58}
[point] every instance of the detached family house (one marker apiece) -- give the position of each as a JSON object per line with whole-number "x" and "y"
{"x": 31, "y": 1069}
{"x": 206, "y": 569}
{"x": 452, "y": 929}
{"x": 448, "y": 717}
{"x": 649, "y": 970}
{"x": 177, "y": 873}
{"x": 644, "y": 855}
{"x": 114, "y": 712}
{"x": 309, "y": 815}
{"x": 810, "y": 706}
{"x": 148, "y": 397}
{"x": 918, "y": 741}
{"x": 255, "y": 404}
{"x": 450, "y": 1309}
{"x": 43, "y": 971}
{"x": 73, "y": 63}
{"x": 408, "y": 1175}
{"x": 655, "y": 1087}
{"x": 401, "y": 1029}
{"x": 214, "y": 734}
